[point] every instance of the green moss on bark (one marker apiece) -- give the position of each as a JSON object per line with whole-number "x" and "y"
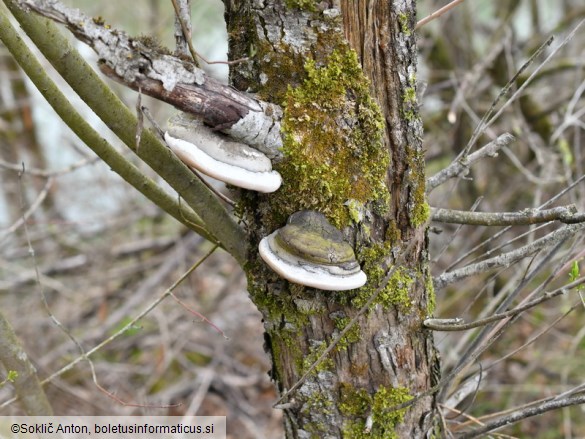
{"x": 359, "y": 405}
{"x": 397, "y": 290}
{"x": 430, "y": 291}
{"x": 333, "y": 147}
{"x": 279, "y": 67}
{"x": 305, "y": 5}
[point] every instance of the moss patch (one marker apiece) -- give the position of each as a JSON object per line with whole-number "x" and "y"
{"x": 352, "y": 336}
{"x": 278, "y": 67}
{"x": 357, "y": 403}
{"x": 404, "y": 24}
{"x": 396, "y": 292}
{"x": 307, "y": 5}
{"x": 421, "y": 211}
{"x": 431, "y": 296}
{"x": 315, "y": 352}
{"x": 333, "y": 147}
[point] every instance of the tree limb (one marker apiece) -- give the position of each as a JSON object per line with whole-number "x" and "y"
{"x": 100, "y": 98}
{"x": 143, "y": 64}
{"x": 117, "y": 162}
{"x": 459, "y": 325}
{"x": 565, "y": 214}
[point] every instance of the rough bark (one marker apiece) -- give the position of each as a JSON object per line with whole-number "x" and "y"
{"x": 388, "y": 357}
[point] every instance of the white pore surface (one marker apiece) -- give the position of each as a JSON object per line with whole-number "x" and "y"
{"x": 309, "y": 274}
{"x": 192, "y": 156}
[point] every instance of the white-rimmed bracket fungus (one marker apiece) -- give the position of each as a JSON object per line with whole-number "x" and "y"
{"x": 215, "y": 155}
{"x": 309, "y": 251}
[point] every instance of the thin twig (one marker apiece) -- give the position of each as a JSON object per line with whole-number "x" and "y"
{"x": 535, "y": 337}
{"x": 472, "y": 353}
{"x": 33, "y": 207}
{"x": 45, "y": 173}
{"x": 454, "y": 235}
{"x": 199, "y": 315}
{"x": 62, "y": 327}
{"x": 491, "y": 333}
{"x": 461, "y": 166}
{"x": 186, "y": 29}
{"x": 484, "y": 123}
{"x": 102, "y": 101}
{"x": 131, "y": 324}
{"x": 504, "y": 230}
{"x": 437, "y": 13}
{"x": 144, "y": 110}
{"x": 212, "y": 188}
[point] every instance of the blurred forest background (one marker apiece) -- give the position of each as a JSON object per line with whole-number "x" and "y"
{"x": 102, "y": 252}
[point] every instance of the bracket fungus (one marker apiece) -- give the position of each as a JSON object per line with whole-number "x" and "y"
{"x": 309, "y": 251}
{"x": 215, "y": 155}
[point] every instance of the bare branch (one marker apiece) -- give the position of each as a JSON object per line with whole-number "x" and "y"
{"x": 87, "y": 134}
{"x": 125, "y": 328}
{"x": 140, "y": 64}
{"x": 507, "y": 259}
{"x": 461, "y": 167}
{"x": 217, "y": 223}
{"x": 459, "y": 325}
{"x": 438, "y": 13}
{"x": 487, "y": 120}
{"x": 45, "y": 173}
{"x": 522, "y": 414}
{"x": 183, "y": 29}
{"x": 505, "y": 229}
{"x": 565, "y": 214}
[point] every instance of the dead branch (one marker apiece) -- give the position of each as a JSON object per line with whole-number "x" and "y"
{"x": 564, "y": 214}
{"x": 143, "y": 64}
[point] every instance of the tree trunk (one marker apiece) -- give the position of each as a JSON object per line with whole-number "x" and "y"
{"x": 361, "y": 164}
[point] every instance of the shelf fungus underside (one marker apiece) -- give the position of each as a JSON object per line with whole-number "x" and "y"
{"x": 215, "y": 155}
{"x": 311, "y": 252}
